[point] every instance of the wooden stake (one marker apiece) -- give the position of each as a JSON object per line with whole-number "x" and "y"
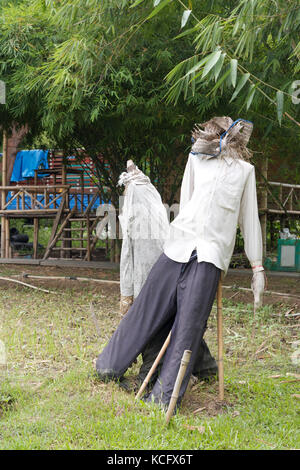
{"x": 7, "y": 237}
{"x": 154, "y": 366}
{"x": 35, "y": 237}
{"x": 2, "y": 237}
{"x": 88, "y": 246}
{"x": 220, "y": 340}
{"x": 3, "y": 193}
{"x": 181, "y": 373}
{"x": 264, "y": 207}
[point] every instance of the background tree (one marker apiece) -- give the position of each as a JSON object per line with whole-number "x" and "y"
{"x": 91, "y": 74}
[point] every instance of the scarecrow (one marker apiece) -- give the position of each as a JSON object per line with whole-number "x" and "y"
{"x": 218, "y": 192}
{"x": 145, "y": 227}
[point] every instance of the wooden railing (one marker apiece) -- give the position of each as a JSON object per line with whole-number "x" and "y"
{"x": 282, "y": 198}
{"x": 33, "y": 198}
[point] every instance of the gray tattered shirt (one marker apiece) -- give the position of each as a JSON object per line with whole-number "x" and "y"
{"x": 145, "y": 227}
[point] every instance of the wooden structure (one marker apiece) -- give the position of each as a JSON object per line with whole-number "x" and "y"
{"x": 277, "y": 201}
{"x": 62, "y": 193}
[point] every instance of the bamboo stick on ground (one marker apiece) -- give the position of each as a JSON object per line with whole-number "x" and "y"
{"x": 181, "y": 373}
{"x": 154, "y": 366}
{"x": 26, "y": 285}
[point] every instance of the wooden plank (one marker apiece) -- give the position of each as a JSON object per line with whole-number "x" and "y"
{"x": 95, "y": 238}
{"x": 55, "y": 238}
{"x": 62, "y": 194}
{"x": 32, "y": 186}
{"x": 60, "y": 248}
{"x": 29, "y": 212}
{"x": 90, "y": 204}
{"x": 54, "y": 227}
{"x": 72, "y": 239}
{"x": 11, "y": 200}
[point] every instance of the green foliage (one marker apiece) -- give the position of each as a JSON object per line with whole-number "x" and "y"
{"x": 256, "y": 39}
{"x": 91, "y": 75}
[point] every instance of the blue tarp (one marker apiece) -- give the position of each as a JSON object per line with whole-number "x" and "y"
{"x": 26, "y": 162}
{"x": 40, "y": 198}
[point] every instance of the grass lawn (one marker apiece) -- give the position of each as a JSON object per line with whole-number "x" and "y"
{"x": 49, "y": 399}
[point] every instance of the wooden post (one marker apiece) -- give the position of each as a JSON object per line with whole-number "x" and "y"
{"x": 54, "y": 190}
{"x": 154, "y": 367}
{"x": 220, "y": 340}
{"x": 7, "y": 237}
{"x": 82, "y": 192}
{"x": 264, "y": 207}
{"x": 3, "y": 193}
{"x": 180, "y": 376}
{"x": 35, "y": 237}
{"x": 88, "y": 237}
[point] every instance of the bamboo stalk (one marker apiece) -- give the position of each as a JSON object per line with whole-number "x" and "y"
{"x": 71, "y": 278}
{"x": 181, "y": 373}
{"x": 220, "y": 340}
{"x": 32, "y": 187}
{"x": 7, "y": 237}
{"x": 26, "y": 285}
{"x": 35, "y": 237}
{"x": 2, "y": 237}
{"x": 154, "y": 366}
{"x": 88, "y": 237}
{"x": 3, "y": 193}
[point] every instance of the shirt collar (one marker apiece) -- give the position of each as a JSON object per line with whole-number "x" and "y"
{"x": 227, "y": 159}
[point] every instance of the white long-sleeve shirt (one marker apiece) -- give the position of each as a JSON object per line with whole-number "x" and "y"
{"x": 217, "y": 194}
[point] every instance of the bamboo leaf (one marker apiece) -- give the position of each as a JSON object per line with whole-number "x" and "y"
{"x": 245, "y": 77}
{"x": 187, "y": 32}
{"x": 250, "y": 95}
{"x": 185, "y": 17}
{"x": 279, "y": 101}
{"x": 219, "y": 65}
{"x": 212, "y": 60}
{"x": 219, "y": 82}
{"x": 162, "y": 4}
{"x": 135, "y": 4}
{"x": 233, "y": 71}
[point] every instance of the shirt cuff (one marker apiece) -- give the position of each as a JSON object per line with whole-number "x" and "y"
{"x": 257, "y": 266}
{"x": 126, "y": 292}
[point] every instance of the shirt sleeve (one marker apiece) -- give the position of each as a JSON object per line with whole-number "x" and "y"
{"x": 126, "y": 259}
{"x": 187, "y": 185}
{"x": 249, "y": 222}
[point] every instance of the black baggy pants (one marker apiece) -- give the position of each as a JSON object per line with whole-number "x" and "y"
{"x": 182, "y": 298}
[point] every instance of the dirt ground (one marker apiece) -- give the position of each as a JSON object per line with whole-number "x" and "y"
{"x": 277, "y": 284}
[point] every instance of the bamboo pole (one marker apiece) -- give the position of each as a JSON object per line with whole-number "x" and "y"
{"x": 3, "y": 193}
{"x": 220, "y": 340}
{"x": 181, "y": 373}
{"x": 2, "y": 237}
{"x": 88, "y": 247}
{"x": 35, "y": 237}
{"x": 154, "y": 366}
{"x": 264, "y": 207}
{"x": 7, "y": 237}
